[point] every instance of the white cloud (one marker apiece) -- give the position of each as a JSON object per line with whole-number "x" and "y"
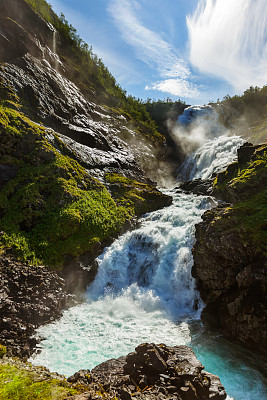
{"x": 152, "y": 49}
{"x": 176, "y": 87}
{"x": 229, "y": 39}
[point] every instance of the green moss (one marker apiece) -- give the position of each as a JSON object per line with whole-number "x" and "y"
{"x": 20, "y": 384}
{"x": 252, "y": 216}
{"x": 138, "y": 198}
{"x": 246, "y": 188}
{"x": 52, "y": 206}
{"x": 243, "y": 179}
{"x": 2, "y": 350}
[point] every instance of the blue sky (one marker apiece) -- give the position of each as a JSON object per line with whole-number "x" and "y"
{"x": 195, "y": 50}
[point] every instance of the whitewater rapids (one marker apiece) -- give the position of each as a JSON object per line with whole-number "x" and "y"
{"x": 144, "y": 292}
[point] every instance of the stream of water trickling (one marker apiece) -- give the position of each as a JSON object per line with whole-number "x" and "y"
{"x": 144, "y": 292}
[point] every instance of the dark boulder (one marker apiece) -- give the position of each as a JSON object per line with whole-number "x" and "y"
{"x": 152, "y": 372}
{"x": 30, "y": 296}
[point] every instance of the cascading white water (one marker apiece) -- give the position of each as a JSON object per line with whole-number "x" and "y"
{"x": 54, "y": 50}
{"x": 144, "y": 292}
{"x": 211, "y": 158}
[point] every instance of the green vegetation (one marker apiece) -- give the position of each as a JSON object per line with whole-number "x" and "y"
{"x": 245, "y": 186}
{"x": 138, "y": 198}
{"x": 2, "y": 350}
{"x": 246, "y": 114}
{"x": 93, "y": 77}
{"x": 20, "y": 384}
{"x": 240, "y": 181}
{"x": 252, "y": 101}
{"x": 52, "y": 207}
{"x": 163, "y": 110}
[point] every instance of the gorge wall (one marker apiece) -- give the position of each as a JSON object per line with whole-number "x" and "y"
{"x": 230, "y": 257}
{"x": 72, "y": 172}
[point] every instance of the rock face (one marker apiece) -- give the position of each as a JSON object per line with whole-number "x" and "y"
{"x": 230, "y": 262}
{"x": 232, "y": 277}
{"x": 152, "y": 372}
{"x": 62, "y": 152}
{"x": 51, "y": 94}
{"x": 29, "y": 297}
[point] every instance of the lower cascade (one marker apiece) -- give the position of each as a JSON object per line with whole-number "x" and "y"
{"x": 144, "y": 292}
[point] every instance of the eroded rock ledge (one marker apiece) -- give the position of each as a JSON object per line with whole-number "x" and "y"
{"x": 151, "y": 372}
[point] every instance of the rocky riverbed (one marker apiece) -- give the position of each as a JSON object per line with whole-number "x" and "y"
{"x": 152, "y": 372}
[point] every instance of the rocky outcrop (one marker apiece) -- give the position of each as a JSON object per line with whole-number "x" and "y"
{"x": 151, "y": 372}
{"x": 29, "y": 297}
{"x": 55, "y": 171}
{"x": 230, "y": 262}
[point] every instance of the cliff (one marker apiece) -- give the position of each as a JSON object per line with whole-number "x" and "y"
{"x": 230, "y": 255}
{"x": 62, "y": 154}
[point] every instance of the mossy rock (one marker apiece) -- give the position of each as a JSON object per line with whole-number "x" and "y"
{"x": 51, "y": 206}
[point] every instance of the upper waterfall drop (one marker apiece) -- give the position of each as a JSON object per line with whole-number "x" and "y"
{"x": 212, "y": 157}
{"x": 193, "y": 112}
{"x": 214, "y": 147}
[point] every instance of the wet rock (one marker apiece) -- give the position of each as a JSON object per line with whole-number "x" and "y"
{"x": 29, "y": 297}
{"x": 197, "y": 186}
{"x": 232, "y": 278}
{"x": 245, "y": 152}
{"x": 138, "y": 375}
{"x": 230, "y": 263}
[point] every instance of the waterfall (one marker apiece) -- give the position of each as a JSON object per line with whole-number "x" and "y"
{"x": 210, "y": 158}
{"x": 144, "y": 292}
{"x": 54, "y": 50}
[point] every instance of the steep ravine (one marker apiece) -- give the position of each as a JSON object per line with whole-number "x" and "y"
{"x": 74, "y": 175}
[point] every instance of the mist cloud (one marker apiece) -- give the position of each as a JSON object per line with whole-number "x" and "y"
{"x": 229, "y": 39}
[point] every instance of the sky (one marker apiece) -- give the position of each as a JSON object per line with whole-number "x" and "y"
{"x": 193, "y": 50}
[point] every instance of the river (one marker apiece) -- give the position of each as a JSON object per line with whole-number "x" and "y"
{"x": 144, "y": 292}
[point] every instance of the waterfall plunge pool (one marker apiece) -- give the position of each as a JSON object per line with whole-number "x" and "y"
{"x": 144, "y": 292}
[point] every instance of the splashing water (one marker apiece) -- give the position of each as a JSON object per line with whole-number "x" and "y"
{"x": 144, "y": 292}
{"x": 210, "y": 158}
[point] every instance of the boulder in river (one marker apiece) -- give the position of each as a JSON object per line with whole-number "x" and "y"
{"x": 152, "y": 372}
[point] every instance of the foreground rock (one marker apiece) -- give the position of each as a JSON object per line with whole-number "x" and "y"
{"x": 151, "y": 372}
{"x": 230, "y": 262}
{"x": 29, "y": 297}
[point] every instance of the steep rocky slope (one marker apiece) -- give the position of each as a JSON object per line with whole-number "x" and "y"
{"x": 62, "y": 154}
{"x": 230, "y": 255}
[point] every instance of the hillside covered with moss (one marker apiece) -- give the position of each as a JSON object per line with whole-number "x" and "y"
{"x": 63, "y": 150}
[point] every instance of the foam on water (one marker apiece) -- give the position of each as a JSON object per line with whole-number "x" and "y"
{"x": 144, "y": 292}
{"x": 210, "y": 158}
{"x": 110, "y": 327}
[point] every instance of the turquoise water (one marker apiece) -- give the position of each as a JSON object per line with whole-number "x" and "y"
{"x": 144, "y": 292}
{"x": 242, "y": 372}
